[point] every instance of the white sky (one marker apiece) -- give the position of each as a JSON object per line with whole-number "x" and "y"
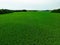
{"x": 29, "y": 4}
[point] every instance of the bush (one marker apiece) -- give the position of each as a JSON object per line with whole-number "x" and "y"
{"x": 56, "y": 11}
{"x": 4, "y": 11}
{"x": 20, "y": 10}
{"x": 24, "y": 10}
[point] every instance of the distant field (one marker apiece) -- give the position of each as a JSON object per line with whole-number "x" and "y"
{"x": 30, "y": 28}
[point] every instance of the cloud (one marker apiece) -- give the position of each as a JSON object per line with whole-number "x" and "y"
{"x": 29, "y": 4}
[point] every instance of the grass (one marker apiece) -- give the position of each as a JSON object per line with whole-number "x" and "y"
{"x": 30, "y": 28}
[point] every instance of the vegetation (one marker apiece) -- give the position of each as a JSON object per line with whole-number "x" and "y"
{"x": 20, "y": 10}
{"x": 4, "y": 11}
{"x": 56, "y": 11}
{"x": 30, "y": 28}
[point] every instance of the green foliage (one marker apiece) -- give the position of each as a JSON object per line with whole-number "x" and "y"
{"x": 20, "y": 10}
{"x": 5, "y": 11}
{"x": 24, "y": 10}
{"x": 56, "y": 11}
{"x": 32, "y": 10}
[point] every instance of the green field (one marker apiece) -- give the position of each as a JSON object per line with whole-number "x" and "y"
{"x": 30, "y": 28}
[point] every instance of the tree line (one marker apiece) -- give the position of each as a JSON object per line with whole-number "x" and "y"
{"x": 5, "y": 11}
{"x": 56, "y": 11}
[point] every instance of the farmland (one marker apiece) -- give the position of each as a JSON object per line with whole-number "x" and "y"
{"x": 30, "y": 28}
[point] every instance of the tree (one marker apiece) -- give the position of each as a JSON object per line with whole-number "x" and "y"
{"x": 24, "y": 10}
{"x": 4, "y": 11}
{"x": 56, "y": 11}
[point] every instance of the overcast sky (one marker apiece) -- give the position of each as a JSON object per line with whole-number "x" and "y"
{"x": 29, "y": 4}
